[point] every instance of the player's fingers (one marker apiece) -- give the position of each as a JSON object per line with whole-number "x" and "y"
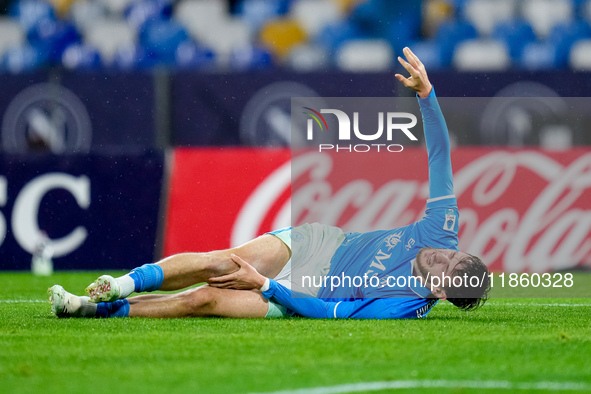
{"x": 412, "y": 58}
{"x": 402, "y": 79}
{"x": 410, "y": 54}
{"x": 416, "y": 62}
{"x": 409, "y": 57}
{"x": 222, "y": 279}
{"x": 226, "y": 285}
{"x": 402, "y": 62}
{"x": 238, "y": 260}
{"x": 223, "y": 285}
{"x": 407, "y": 66}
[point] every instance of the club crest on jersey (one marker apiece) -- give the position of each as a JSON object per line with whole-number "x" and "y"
{"x": 296, "y": 236}
{"x": 393, "y": 240}
{"x": 450, "y": 220}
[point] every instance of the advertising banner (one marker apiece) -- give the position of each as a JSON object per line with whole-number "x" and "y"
{"x": 98, "y": 211}
{"x": 253, "y": 109}
{"x": 521, "y": 210}
{"x": 77, "y": 112}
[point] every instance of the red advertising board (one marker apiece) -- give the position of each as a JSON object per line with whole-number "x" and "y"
{"x": 520, "y": 210}
{"x": 208, "y": 190}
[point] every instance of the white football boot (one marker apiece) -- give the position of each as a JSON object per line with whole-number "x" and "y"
{"x": 64, "y": 304}
{"x": 104, "y": 289}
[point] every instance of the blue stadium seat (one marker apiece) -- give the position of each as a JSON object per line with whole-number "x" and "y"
{"x": 22, "y": 59}
{"x": 51, "y": 37}
{"x": 30, "y": 12}
{"x": 585, "y": 10}
{"x": 257, "y": 12}
{"x": 515, "y": 34}
{"x": 400, "y": 32}
{"x": 450, "y": 34}
{"x": 541, "y": 55}
{"x": 431, "y": 54}
{"x": 161, "y": 38}
{"x": 189, "y": 55}
{"x": 81, "y": 57}
{"x": 565, "y": 35}
{"x": 364, "y": 15}
{"x": 459, "y": 5}
{"x": 379, "y": 18}
{"x": 250, "y": 58}
{"x": 132, "y": 58}
{"x": 332, "y": 36}
{"x": 140, "y": 12}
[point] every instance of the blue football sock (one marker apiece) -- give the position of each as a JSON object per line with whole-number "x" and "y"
{"x": 119, "y": 308}
{"x": 148, "y": 277}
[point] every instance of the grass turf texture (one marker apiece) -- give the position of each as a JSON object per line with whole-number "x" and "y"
{"x": 514, "y": 340}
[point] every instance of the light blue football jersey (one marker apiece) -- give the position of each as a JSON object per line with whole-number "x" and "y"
{"x": 390, "y": 253}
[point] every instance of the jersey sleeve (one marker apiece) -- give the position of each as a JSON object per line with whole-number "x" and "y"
{"x": 302, "y": 305}
{"x": 321, "y": 309}
{"x": 374, "y": 308}
{"x": 438, "y": 149}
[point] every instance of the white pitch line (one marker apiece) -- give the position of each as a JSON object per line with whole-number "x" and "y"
{"x": 522, "y": 304}
{"x": 410, "y": 384}
{"x": 536, "y": 304}
{"x": 449, "y": 305}
{"x": 20, "y": 301}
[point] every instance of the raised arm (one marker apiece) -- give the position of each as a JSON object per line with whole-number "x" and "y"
{"x": 436, "y": 133}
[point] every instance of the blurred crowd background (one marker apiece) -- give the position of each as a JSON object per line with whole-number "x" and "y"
{"x": 300, "y": 35}
{"x": 104, "y": 75}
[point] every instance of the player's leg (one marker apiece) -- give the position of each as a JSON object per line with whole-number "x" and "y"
{"x": 199, "y": 302}
{"x": 64, "y": 304}
{"x": 268, "y": 255}
{"x": 204, "y": 301}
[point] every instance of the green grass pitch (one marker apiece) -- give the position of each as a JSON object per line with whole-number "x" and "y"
{"x": 513, "y": 342}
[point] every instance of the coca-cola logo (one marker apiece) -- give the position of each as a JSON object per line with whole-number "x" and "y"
{"x": 519, "y": 210}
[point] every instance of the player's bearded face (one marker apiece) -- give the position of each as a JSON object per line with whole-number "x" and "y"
{"x": 437, "y": 262}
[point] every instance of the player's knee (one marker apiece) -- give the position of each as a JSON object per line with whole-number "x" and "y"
{"x": 200, "y": 300}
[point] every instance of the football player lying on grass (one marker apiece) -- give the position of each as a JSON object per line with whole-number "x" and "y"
{"x": 409, "y": 268}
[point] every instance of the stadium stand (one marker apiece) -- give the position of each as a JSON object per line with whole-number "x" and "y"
{"x": 484, "y": 15}
{"x": 302, "y": 35}
{"x": 365, "y": 55}
{"x": 580, "y": 56}
{"x": 11, "y": 34}
{"x": 481, "y": 55}
{"x": 108, "y": 36}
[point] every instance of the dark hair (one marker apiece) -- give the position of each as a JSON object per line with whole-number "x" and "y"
{"x": 466, "y": 296}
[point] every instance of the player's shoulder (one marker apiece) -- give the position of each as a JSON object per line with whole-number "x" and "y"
{"x": 439, "y": 230}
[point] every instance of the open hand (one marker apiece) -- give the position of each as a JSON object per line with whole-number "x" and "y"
{"x": 418, "y": 80}
{"x": 246, "y": 278}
